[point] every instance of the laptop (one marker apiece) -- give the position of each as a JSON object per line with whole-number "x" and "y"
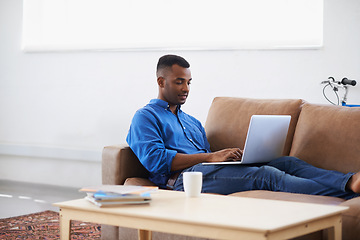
{"x": 265, "y": 139}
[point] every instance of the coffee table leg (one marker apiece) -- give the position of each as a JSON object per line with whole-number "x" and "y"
{"x": 144, "y": 234}
{"x": 64, "y": 227}
{"x": 335, "y": 233}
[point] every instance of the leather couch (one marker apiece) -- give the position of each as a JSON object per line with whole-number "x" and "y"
{"x": 325, "y": 136}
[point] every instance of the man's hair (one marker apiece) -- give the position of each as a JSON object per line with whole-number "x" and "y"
{"x": 169, "y": 60}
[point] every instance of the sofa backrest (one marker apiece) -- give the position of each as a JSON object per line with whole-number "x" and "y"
{"x": 228, "y": 119}
{"x": 328, "y": 137}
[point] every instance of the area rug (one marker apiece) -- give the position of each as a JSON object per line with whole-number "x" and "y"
{"x": 45, "y": 225}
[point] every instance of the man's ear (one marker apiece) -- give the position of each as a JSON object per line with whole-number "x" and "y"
{"x": 161, "y": 82}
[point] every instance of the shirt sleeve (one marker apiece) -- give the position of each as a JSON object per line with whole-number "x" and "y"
{"x": 145, "y": 139}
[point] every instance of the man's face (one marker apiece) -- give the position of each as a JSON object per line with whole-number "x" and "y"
{"x": 174, "y": 85}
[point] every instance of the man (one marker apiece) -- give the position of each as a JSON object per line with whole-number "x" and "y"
{"x": 168, "y": 141}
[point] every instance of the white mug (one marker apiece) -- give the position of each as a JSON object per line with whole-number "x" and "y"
{"x": 192, "y": 182}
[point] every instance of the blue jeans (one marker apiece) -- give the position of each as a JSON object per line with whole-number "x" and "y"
{"x": 285, "y": 174}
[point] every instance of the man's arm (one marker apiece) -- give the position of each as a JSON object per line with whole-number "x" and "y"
{"x": 182, "y": 161}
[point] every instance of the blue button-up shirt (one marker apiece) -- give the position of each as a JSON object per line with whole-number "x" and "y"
{"x": 156, "y": 135}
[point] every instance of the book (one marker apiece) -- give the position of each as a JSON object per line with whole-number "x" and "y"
{"x": 117, "y": 202}
{"x": 116, "y": 195}
{"x": 120, "y": 189}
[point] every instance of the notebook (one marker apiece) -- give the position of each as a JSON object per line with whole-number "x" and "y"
{"x": 265, "y": 139}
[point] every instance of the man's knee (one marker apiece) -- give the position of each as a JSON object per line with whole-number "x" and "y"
{"x": 283, "y": 161}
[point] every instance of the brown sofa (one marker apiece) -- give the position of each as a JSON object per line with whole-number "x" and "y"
{"x": 325, "y": 136}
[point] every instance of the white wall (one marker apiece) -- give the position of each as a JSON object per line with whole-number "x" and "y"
{"x": 58, "y": 110}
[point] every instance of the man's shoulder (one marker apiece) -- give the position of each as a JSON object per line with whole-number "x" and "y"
{"x": 148, "y": 108}
{"x": 149, "y": 111}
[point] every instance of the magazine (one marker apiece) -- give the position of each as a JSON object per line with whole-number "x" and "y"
{"x": 116, "y": 195}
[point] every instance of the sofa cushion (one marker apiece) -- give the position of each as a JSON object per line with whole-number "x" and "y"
{"x": 228, "y": 119}
{"x": 328, "y": 137}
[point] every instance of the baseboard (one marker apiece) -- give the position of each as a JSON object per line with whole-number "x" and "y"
{"x": 50, "y": 165}
{"x": 34, "y": 151}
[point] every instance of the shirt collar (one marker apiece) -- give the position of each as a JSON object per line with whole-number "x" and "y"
{"x": 162, "y": 103}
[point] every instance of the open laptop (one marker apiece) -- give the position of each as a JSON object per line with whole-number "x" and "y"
{"x": 265, "y": 139}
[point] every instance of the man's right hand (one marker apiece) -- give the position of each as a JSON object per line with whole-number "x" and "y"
{"x": 228, "y": 154}
{"x": 182, "y": 161}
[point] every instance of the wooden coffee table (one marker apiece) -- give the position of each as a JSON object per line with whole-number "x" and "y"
{"x": 209, "y": 216}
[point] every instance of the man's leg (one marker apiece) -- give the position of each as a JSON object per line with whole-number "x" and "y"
{"x": 300, "y": 168}
{"x": 227, "y": 179}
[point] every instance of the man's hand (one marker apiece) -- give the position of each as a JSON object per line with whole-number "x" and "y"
{"x": 228, "y": 154}
{"x": 182, "y": 161}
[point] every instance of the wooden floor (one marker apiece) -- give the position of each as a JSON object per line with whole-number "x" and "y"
{"x": 18, "y": 198}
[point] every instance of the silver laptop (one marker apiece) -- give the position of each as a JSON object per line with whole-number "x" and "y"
{"x": 265, "y": 139}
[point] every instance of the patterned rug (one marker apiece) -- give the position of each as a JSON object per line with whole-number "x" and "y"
{"x": 44, "y": 225}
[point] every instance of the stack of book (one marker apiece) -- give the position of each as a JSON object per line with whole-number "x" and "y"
{"x": 116, "y": 195}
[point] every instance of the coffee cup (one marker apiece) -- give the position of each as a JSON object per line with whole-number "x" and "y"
{"x": 192, "y": 183}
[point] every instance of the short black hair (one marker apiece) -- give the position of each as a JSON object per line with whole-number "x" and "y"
{"x": 169, "y": 60}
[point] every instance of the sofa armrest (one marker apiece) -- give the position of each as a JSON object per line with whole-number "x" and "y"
{"x": 119, "y": 163}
